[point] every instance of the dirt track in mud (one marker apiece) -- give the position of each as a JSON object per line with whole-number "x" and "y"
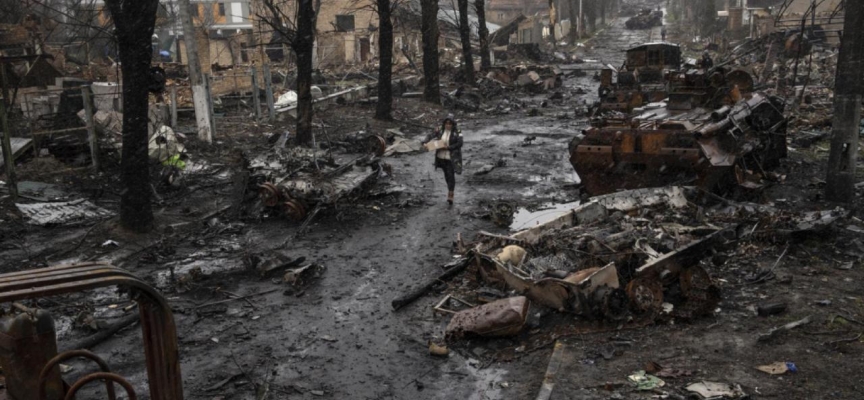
{"x": 338, "y": 338}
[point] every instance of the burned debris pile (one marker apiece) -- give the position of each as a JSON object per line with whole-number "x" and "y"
{"x": 614, "y": 255}
{"x": 634, "y": 257}
{"x": 297, "y": 182}
{"x": 645, "y": 19}
{"x": 800, "y": 67}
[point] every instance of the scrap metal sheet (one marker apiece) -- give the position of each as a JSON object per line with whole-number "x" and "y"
{"x": 68, "y": 212}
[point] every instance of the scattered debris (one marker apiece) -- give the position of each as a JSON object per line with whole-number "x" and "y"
{"x": 504, "y": 317}
{"x": 300, "y": 276}
{"x": 643, "y": 381}
{"x": 661, "y": 371}
{"x": 765, "y": 310}
{"x": 438, "y": 350}
{"x": 456, "y": 269}
{"x": 778, "y": 368}
{"x": 788, "y": 327}
{"x": 713, "y": 390}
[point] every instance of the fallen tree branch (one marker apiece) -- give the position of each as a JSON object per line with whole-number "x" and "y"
{"x": 792, "y": 325}
{"x": 104, "y": 334}
{"x": 237, "y": 298}
{"x": 831, "y": 343}
{"x": 415, "y": 294}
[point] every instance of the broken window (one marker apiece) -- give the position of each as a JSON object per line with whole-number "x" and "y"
{"x": 344, "y": 23}
{"x": 244, "y": 52}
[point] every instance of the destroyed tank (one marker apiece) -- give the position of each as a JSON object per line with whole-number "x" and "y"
{"x": 646, "y": 19}
{"x": 715, "y": 149}
{"x": 641, "y": 80}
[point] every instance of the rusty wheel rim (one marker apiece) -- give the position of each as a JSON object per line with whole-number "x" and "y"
{"x": 699, "y": 289}
{"x": 376, "y": 144}
{"x": 269, "y": 194}
{"x": 294, "y": 210}
{"x": 645, "y": 295}
{"x": 694, "y": 280}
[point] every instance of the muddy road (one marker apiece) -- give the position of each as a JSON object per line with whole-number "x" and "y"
{"x": 339, "y": 336}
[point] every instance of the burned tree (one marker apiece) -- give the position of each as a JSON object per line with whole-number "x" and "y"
{"x": 429, "y": 27}
{"x": 553, "y": 14}
{"x": 134, "y": 21}
{"x": 465, "y": 35}
{"x": 840, "y": 183}
{"x": 295, "y": 23}
{"x": 575, "y": 23}
{"x": 706, "y": 18}
{"x": 384, "y": 108}
{"x": 483, "y": 32}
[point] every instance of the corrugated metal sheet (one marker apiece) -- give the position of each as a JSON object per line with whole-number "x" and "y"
{"x": 67, "y": 212}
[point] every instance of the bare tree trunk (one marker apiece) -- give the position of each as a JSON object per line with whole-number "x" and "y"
{"x": 134, "y": 22}
{"x": 573, "y": 13}
{"x": 200, "y": 96}
{"x": 603, "y": 12}
{"x": 303, "y": 45}
{"x": 553, "y": 16}
{"x": 591, "y": 15}
{"x": 483, "y": 31}
{"x": 848, "y": 91}
{"x": 385, "y": 69}
{"x": 429, "y": 26}
{"x": 465, "y": 35}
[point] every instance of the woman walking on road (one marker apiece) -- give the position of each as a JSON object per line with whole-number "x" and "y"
{"x": 447, "y": 144}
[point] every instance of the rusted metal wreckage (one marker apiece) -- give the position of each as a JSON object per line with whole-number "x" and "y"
{"x": 297, "y": 194}
{"x": 579, "y": 262}
{"x": 653, "y": 72}
{"x": 28, "y": 347}
{"x": 659, "y": 125}
{"x": 628, "y": 258}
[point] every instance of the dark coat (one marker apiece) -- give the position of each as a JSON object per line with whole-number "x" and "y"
{"x": 455, "y": 148}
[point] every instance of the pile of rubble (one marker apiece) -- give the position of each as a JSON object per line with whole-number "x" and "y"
{"x": 505, "y": 85}
{"x": 297, "y": 182}
{"x": 799, "y": 67}
{"x": 632, "y": 257}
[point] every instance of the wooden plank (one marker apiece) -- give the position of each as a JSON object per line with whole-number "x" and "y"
{"x": 552, "y": 371}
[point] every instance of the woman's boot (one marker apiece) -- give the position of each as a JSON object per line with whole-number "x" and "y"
{"x": 450, "y": 197}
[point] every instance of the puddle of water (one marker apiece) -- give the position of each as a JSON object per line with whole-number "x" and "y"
{"x": 524, "y": 219}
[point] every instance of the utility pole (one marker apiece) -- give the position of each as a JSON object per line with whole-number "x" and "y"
{"x": 848, "y": 89}
{"x": 200, "y": 95}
